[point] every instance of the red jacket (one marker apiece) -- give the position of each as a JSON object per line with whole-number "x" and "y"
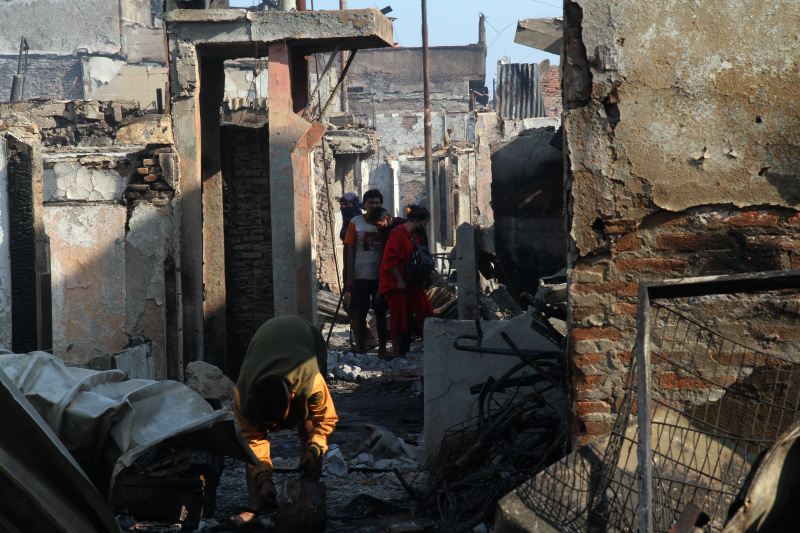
{"x": 396, "y": 254}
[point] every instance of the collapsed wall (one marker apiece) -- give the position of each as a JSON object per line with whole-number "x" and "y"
{"x": 682, "y": 156}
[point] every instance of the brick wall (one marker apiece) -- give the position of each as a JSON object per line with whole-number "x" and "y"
{"x": 46, "y": 77}
{"x": 248, "y": 237}
{"x": 551, "y": 91}
{"x": 669, "y": 177}
{"x": 673, "y": 245}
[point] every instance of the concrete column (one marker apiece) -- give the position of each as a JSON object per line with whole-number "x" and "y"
{"x": 5, "y": 253}
{"x": 467, "y": 265}
{"x": 212, "y": 88}
{"x": 185, "y": 104}
{"x": 486, "y": 132}
{"x": 397, "y": 194}
{"x": 291, "y": 140}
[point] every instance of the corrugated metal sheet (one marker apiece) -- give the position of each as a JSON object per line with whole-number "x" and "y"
{"x": 519, "y": 91}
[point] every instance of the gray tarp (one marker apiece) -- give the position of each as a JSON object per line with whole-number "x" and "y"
{"x": 107, "y": 421}
{"x": 42, "y": 488}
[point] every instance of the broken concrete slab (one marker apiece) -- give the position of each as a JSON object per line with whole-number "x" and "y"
{"x": 136, "y": 361}
{"x": 111, "y": 79}
{"x": 545, "y": 34}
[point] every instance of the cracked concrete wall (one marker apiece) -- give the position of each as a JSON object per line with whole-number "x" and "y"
{"x": 683, "y": 149}
{"x": 86, "y": 179}
{"x": 5, "y": 253}
{"x": 449, "y": 373}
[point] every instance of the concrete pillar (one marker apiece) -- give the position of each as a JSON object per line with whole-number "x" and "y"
{"x": 291, "y": 140}
{"x": 212, "y": 89}
{"x": 397, "y": 193}
{"x": 185, "y": 105}
{"x": 5, "y": 254}
{"x": 467, "y": 265}
{"x": 486, "y": 132}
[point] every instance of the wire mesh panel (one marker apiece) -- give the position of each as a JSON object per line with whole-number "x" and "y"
{"x": 716, "y": 404}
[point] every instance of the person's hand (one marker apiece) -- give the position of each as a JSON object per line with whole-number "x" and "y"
{"x": 310, "y": 466}
{"x": 267, "y": 495}
{"x": 401, "y": 285}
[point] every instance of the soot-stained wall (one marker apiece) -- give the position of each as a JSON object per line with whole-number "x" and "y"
{"x": 248, "y": 237}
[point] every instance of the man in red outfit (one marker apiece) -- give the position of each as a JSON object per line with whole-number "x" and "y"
{"x": 398, "y": 293}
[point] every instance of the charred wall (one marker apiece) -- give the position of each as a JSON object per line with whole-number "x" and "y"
{"x": 248, "y": 237}
{"x": 46, "y": 77}
{"x": 682, "y": 154}
{"x": 527, "y": 200}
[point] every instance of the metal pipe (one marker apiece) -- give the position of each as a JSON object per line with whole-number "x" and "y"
{"x": 338, "y": 84}
{"x": 426, "y": 91}
{"x": 343, "y": 101}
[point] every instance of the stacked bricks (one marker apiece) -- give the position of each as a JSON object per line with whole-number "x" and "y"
{"x": 551, "y": 91}
{"x": 148, "y": 183}
{"x": 665, "y": 245}
{"x": 248, "y": 236}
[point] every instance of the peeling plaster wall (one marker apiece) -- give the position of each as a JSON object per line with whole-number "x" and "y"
{"x": 88, "y": 179}
{"x": 5, "y": 253}
{"x": 149, "y": 242}
{"x": 681, "y": 125}
{"x": 105, "y": 78}
{"x": 87, "y": 246}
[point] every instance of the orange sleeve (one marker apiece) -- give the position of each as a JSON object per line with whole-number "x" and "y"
{"x": 351, "y": 238}
{"x": 256, "y": 435}
{"x": 323, "y": 416}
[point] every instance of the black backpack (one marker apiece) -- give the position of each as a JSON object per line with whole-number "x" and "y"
{"x": 419, "y": 268}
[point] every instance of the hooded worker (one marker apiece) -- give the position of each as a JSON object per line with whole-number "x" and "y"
{"x": 281, "y": 386}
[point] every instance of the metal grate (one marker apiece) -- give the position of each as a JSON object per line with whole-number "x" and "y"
{"x": 716, "y": 404}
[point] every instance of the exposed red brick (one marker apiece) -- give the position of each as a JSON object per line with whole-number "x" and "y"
{"x": 591, "y": 334}
{"x": 583, "y": 440}
{"x": 665, "y": 219}
{"x": 626, "y": 309}
{"x": 794, "y": 261}
{"x": 694, "y": 242}
{"x": 742, "y": 359}
{"x": 625, "y": 356}
{"x": 619, "y": 226}
{"x": 584, "y": 383}
{"x": 652, "y": 264}
{"x": 629, "y": 243}
{"x": 588, "y": 408}
{"x": 589, "y": 359}
{"x": 670, "y": 380}
{"x": 794, "y": 220}
{"x": 722, "y": 265}
{"x": 618, "y": 288}
{"x": 774, "y": 242}
{"x": 579, "y": 313}
{"x": 749, "y": 219}
{"x": 598, "y": 428}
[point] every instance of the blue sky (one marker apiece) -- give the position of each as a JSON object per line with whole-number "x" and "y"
{"x": 456, "y": 23}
